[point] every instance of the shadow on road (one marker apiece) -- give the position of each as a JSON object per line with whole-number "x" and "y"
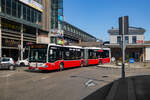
{"x": 130, "y": 88}
{"x": 45, "y": 71}
{"x": 100, "y": 94}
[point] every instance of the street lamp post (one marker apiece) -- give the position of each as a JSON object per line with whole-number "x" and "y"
{"x": 123, "y": 29}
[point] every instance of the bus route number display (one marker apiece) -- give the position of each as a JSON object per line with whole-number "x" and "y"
{"x": 38, "y": 46}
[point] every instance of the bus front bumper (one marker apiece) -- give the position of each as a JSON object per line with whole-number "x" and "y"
{"x": 33, "y": 68}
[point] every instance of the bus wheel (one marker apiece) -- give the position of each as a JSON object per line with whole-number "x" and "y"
{"x": 100, "y": 62}
{"x": 81, "y": 64}
{"x": 61, "y": 66}
{"x": 22, "y": 64}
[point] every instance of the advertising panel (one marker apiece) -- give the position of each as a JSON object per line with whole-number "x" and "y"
{"x": 10, "y": 42}
{"x": 33, "y": 4}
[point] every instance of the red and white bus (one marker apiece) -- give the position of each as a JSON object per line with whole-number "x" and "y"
{"x": 95, "y": 55}
{"x": 54, "y": 57}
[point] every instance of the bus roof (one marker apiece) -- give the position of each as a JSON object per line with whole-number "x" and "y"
{"x": 73, "y": 47}
{"x": 52, "y": 44}
{"x": 106, "y": 48}
{"x": 92, "y": 48}
{"x": 64, "y": 46}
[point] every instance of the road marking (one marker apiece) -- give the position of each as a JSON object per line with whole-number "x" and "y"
{"x": 44, "y": 78}
{"x": 41, "y": 78}
{"x": 7, "y": 75}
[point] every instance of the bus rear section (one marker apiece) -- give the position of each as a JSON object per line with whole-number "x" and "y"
{"x": 91, "y": 57}
{"x": 96, "y": 55}
{"x": 104, "y": 55}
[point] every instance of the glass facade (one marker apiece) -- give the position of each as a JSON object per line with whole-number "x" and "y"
{"x": 39, "y": 1}
{"x": 57, "y": 14}
{"x": 57, "y": 20}
{"x": 17, "y": 9}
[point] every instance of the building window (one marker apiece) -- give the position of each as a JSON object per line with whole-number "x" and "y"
{"x": 65, "y": 27}
{"x": 126, "y": 39}
{"x": 14, "y": 8}
{"x": 32, "y": 15}
{"x": 8, "y": 7}
{"x": 28, "y": 14}
{"x": 24, "y": 12}
{"x": 35, "y": 17}
{"x": 39, "y": 17}
{"x": 118, "y": 39}
{"x": 71, "y": 29}
{"x": 68, "y": 28}
{"x": 19, "y": 10}
{"x": 133, "y": 39}
{"x": 3, "y": 5}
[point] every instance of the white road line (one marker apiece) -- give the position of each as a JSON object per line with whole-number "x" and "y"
{"x": 44, "y": 77}
{"x": 7, "y": 75}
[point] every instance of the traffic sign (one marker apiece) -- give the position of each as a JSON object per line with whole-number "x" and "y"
{"x": 131, "y": 60}
{"x": 123, "y": 25}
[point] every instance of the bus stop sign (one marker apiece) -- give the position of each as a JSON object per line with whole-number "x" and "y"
{"x": 131, "y": 60}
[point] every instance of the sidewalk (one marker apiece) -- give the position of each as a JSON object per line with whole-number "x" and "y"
{"x": 131, "y": 88}
{"x": 135, "y": 65}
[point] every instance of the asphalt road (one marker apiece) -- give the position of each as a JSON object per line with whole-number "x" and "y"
{"x": 70, "y": 84}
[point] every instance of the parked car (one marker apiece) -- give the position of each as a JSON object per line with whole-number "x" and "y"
{"x": 7, "y": 63}
{"x": 22, "y": 62}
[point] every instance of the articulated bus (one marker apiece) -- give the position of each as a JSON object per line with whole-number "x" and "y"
{"x": 56, "y": 57}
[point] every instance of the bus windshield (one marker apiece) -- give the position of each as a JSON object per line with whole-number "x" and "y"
{"x": 38, "y": 55}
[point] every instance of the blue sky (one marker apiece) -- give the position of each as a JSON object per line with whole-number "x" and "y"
{"x": 98, "y": 16}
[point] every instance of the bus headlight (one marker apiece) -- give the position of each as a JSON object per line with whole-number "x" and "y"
{"x": 45, "y": 66}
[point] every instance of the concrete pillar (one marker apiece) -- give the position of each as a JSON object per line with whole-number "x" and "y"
{"x": 143, "y": 54}
{"x": 80, "y": 41}
{"x": 21, "y": 47}
{"x": 37, "y": 41}
{"x": 110, "y": 54}
{"x": 0, "y": 41}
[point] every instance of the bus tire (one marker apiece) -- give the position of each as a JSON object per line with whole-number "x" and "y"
{"x": 22, "y": 64}
{"x": 61, "y": 66}
{"x": 81, "y": 64}
{"x": 100, "y": 62}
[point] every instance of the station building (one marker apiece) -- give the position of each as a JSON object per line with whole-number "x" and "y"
{"x": 72, "y": 34}
{"x": 135, "y": 45}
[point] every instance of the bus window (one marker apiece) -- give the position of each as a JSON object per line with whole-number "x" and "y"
{"x": 105, "y": 54}
{"x": 66, "y": 54}
{"x": 92, "y": 54}
{"x": 55, "y": 53}
{"x": 82, "y": 54}
{"x": 78, "y": 54}
{"x": 38, "y": 55}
